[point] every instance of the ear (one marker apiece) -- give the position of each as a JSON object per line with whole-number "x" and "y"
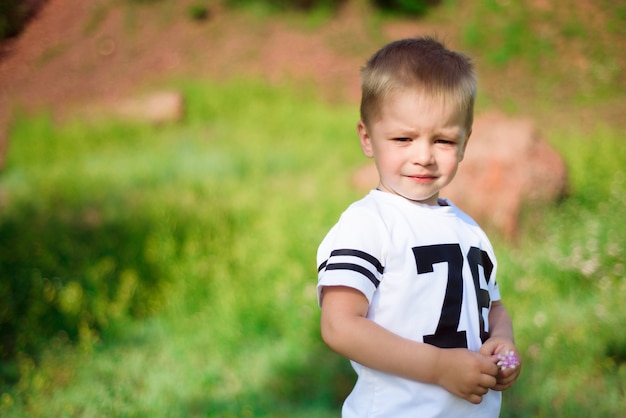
{"x": 365, "y": 139}
{"x": 465, "y": 146}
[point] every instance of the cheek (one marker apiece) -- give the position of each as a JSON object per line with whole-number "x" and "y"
{"x": 450, "y": 162}
{"x": 388, "y": 157}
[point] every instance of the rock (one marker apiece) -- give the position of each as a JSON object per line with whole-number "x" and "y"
{"x": 507, "y": 167}
{"x": 159, "y": 107}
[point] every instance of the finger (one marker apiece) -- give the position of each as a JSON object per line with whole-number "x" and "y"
{"x": 490, "y": 368}
{"x": 487, "y": 381}
{"x": 486, "y": 349}
{"x": 474, "y": 398}
{"x": 506, "y": 374}
{"x": 506, "y": 378}
{"x": 505, "y": 383}
{"x": 502, "y": 387}
{"x": 481, "y": 390}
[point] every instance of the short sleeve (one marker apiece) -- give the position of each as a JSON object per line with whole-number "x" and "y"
{"x": 352, "y": 253}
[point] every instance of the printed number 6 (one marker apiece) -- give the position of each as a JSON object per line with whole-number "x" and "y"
{"x": 447, "y": 334}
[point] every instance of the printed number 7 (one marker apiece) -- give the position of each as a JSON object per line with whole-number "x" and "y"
{"x": 447, "y": 334}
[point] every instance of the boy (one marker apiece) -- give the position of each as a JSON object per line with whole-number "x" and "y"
{"x": 407, "y": 281}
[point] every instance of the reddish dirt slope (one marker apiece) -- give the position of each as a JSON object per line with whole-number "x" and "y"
{"x": 77, "y": 51}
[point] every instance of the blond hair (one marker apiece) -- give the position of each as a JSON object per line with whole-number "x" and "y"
{"x": 421, "y": 63}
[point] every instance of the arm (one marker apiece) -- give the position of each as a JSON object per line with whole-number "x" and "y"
{"x": 501, "y": 342}
{"x": 346, "y": 330}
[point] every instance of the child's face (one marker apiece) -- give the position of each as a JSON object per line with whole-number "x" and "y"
{"x": 417, "y": 144}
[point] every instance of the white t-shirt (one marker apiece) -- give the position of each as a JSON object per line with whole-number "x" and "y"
{"x": 428, "y": 273}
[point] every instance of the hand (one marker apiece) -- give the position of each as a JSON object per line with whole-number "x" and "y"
{"x": 466, "y": 373}
{"x": 505, "y": 355}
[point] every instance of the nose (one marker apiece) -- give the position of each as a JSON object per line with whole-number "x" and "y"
{"x": 421, "y": 153}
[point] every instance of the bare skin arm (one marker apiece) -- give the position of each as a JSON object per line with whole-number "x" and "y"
{"x": 346, "y": 330}
{"x": 501, "y": 342}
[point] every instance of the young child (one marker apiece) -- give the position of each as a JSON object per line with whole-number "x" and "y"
{"x": 407, "y": 281}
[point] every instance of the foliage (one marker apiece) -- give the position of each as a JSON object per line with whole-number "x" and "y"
{"x": 568, "y": 53}
{"x": 287, "y": 5}
{"x": 79, "y": 247}
{"x": 185, "y": 254}
{"x": 198, "y": 12}
{"x": 229, "y": 211}
{"x": 143, "y": 1}
{"x": 14, "y": 14}
{"x": 408, "y": 7}
{"x": 565, "y": 283}
{"x": 162, "y": 203}
{"x": 70, "y": 270}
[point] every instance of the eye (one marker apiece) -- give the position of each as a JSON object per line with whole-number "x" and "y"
{"x": 402, "y": 139}
{"x": 444, "y": 141}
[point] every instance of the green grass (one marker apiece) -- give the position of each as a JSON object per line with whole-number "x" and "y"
{"x": 227, "y": 209}
{"x": 566, "y": 288}
{"x": 560, "y": 52}
{"x": 170, "y": 270}
{"x": 223, "y": 214}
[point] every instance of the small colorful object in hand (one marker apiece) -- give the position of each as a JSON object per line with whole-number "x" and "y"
{"x": 509, "y": 360}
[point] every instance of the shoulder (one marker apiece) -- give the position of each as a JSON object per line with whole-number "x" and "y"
{"x": 361, "y": 226}
{"x": 368, "y": 213}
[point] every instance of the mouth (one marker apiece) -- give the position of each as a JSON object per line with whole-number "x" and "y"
{"x": 422, "y": 178}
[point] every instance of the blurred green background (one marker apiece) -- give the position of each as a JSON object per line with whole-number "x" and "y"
{"x": 169, "y": 270}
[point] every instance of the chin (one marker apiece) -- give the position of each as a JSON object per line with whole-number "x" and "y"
{"x": 421, "y": 198}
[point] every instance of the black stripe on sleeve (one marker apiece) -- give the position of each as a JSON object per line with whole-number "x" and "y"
{"x": 354, "y": 267}
{"x": 360, "y": 254}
